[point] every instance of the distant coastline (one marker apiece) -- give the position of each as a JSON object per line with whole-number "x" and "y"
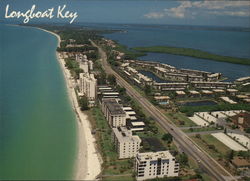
{"x": 193, "y": 53}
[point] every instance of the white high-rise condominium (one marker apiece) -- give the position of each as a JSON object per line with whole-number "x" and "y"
{"x": 155, "y": 164}
{"x": 88, "y": 85}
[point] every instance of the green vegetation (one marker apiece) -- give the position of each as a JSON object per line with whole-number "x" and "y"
{"x": 111, "y": 79}
{"x": 167, "y": 137}
{"x": 189, "y": 110}
{"x": 247, "y": 130}
{"x": 245, "y": 88}
{"x": 212, "y": 146}
{"x": 183, "y": 159}
{"x": 167, "y": 179}
{"x": 148, "y": 90}
{"x": 84, "y": 103}
{"x": 112, "y": 166}
{"x": 193, "y": 53}
{"x": 81, "y": 35}
{"x": 180, "y": 119}
{"x": 129, "y": 53}
{"x": 190, "y": 130}
{"x": 73, "y": 66}
{"x": 118, "y": 178}
{"x": 76, "y": 49}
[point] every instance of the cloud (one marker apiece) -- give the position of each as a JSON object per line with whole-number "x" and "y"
{"x": 179, "y": 11}
{"x": 154, "y": 15}
{"x": 231, "y": 13}
{"x": 191, "y": 9}
{"x": 207, "y": 4}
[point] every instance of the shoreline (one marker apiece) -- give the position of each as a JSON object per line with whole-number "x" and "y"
{"x": 195, "y": 53}
{"x": 87, "y": 162}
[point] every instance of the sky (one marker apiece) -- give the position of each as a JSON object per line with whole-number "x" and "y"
{"x": 185, "y": 12}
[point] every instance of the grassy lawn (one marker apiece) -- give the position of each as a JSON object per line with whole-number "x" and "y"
{"x": 118, "y": 167}
{"x": 206, "y": 177}
{"x": 206, "y": 140}
{"x": 199, "y": 129}
{"x": 112, "y": 166}
{"x": 180, "y": 119}
{"x": 118, "y": 178}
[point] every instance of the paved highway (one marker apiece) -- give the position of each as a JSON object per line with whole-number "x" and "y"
{"x": 206, "y": 162}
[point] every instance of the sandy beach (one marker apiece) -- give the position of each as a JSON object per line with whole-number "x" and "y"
{"x": 88, "y": 160}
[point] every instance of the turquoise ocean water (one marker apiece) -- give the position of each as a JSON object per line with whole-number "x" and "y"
{"x": 37, "y": 123}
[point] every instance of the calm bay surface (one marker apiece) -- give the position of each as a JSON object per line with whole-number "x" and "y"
{"x": 221, "y": 42}
{"x": 37, "y": 123}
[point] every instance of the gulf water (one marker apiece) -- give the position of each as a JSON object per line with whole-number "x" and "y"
{"x": 37, "y": 123}
{"x": 225, "y": 42}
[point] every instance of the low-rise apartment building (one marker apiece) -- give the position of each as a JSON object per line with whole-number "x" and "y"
{"x": 212, "y": 85}
{"x": 170, "y": 86}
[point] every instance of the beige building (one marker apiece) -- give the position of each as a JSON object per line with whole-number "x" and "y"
{"x": 155, "y": 164}
{"x": 113, "y": 112}
{"x": 84, "y": 66}
{"x": 88, "y": 86}
{"x": 127, "y": 145}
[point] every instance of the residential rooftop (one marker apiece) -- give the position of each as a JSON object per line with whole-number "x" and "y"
{"x": 124, "y": 135}
{"x": 243, "y": 79}
{"x": 218, "y": 90}
{"x": 194, "y": 92}
{"x": 113, "y": 106}
{"x": 227, "y": 99}
{"x": 154, "y": 155}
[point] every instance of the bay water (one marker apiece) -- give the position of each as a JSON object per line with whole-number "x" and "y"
{"x": 222, "y": 41}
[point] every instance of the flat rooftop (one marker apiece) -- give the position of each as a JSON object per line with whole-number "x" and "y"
{"x": 232, "y": 90}
{"x": 248, "y": 83}
{"x": 110, "y": 93}
{"x": 144, "y": 77}
{"x": 138, "y": 123}
{"x": 247, "y": 100}
{"x": 133, "y": 118}
{"x": 130, "y": 113}
{"x": 137, "y": 129}
{"x": 242, "y": 96}
{"x": 243, "y": 79}
{"x": 207, "y": 92}
{"x": 194, "y": 92}
{"x": 161, "y": 97}
{"x": 125, "y": 135}
{"x": 154, "y": 155}
{"x": 203, "y": 82}
{"x": 227, "y": 99}
{"x": 171, "y": 83}
{"x": 104, "y": 88}
{"x": 218, "y": 90}
{"x": 180, "y": 92}
{"x": 137, "y": 80}
{"x": 161, "y": 69}
{"x": 127, "y": 109}
{"x": 114, "y": 107}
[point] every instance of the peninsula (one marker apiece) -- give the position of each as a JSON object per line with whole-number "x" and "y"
{"x": 193, "y": 53}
